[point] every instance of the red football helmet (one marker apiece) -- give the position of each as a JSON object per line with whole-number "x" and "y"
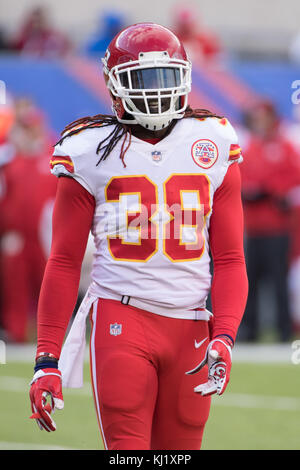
{"x": 148, "y": 74}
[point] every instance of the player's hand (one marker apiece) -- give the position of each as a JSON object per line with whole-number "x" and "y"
{"x": 46, "y": 384}
{"x": 218, "y": 359}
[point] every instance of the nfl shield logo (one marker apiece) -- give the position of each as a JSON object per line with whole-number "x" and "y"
{"x": 115, "y": 329}
{"x": 156, "y": 156}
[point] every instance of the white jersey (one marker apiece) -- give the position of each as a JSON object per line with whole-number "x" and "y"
{"x": 152, "y": 216}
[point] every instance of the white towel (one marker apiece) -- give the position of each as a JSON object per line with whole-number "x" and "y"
{"x": 72, "y": 355}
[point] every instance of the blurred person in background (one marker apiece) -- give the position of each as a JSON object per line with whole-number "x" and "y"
{"x": 294, "y": 49}
{"x": 27, "y": 192}
{"x": 270, "y": 174}
{"x": 292, "y": 132}
{"x": 199, "y": 41}
{"x": 110, "y": 23}
{"x": 38, "y": 38}
{"x": 7, "y": 153}
{"x": 4, "y": 41}
{"x": 292, "y": 127}
{"x": 294, "y": 266}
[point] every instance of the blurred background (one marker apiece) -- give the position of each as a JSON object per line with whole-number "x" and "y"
{"x": 246, "y": 66}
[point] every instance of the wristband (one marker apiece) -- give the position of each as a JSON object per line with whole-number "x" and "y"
{"x": 44, "y": 361}
{"x": 228, "y": 338}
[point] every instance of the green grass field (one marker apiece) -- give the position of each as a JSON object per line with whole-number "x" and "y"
{"x": 260, "y": 410}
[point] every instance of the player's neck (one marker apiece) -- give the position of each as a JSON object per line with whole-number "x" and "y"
{"x": 145, "y": 134}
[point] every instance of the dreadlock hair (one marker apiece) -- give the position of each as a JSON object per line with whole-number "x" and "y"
{"x": 107, "y": 144}
{"x": 200, "y": 113}
{"x": 119, "y": 130}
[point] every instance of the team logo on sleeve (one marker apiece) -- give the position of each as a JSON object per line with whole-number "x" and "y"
{"x": 205, "y": 153}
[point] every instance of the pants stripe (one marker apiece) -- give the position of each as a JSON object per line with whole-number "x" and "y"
{"x": 93, "y": 371}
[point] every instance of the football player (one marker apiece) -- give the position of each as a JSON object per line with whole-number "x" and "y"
{"x": 158, "y": 184}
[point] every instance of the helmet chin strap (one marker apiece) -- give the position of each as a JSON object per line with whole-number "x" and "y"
{"x": 149, "y": 122}
{"x": 154, "y": 124}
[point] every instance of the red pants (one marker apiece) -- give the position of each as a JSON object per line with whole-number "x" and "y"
{"x": 144, "y": 400}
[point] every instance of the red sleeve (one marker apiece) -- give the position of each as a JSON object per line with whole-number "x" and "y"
{"x": 230, "y": 284}
{"x": 72, "y": 219}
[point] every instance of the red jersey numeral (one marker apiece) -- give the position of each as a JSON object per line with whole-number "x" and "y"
{"x": 139, "y": 224}
{"x": 187, "y": 203}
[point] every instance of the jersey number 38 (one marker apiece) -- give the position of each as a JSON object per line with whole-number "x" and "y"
{"x": 182, "y": 216}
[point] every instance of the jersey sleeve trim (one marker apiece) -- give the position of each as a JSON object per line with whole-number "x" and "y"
{"x": 63, "y": 165}
{"x": 63, "y": 160}
{"x": 235, "y": 152}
